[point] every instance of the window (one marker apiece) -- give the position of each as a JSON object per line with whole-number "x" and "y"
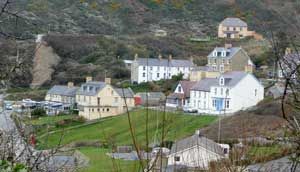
{"x": 144, "y": 67}
{"x": 234, "y": 28}
{"x": 214, "y": 103}
{"x": 151, "y": 68}
{"x": 157, "y": 75}
{"x": 112, "y": 92}
{"x": 255, "y": 92}
{"x": 227, "y": 104}
{"x": 221, "y": 81}
{"x": 223, "y": 61}
{"x": 144, "y": 74}
{"x": 227, "y": 54}
{"x": 116, "y": 99}
{"x": 84, "y": 88}
{"x": 215, "y": 61}
{"x": 98, "y": 100}
{"x": 90, "y": 88}
{"x": 98, "y": 110}
{"x": 103, "y": 109}
{"x": 204, "y": 94}
{"x": 93, "y": 110}
{"x": 219, "y": 54}
{"x": 107, "y": 110}
{"x": 164, "y": 75}
{"x": 227, "y": 92}
{"x": 177, "y": 158}
{"x": 199, "y": 94}
{"x": 221, "y": 68}
{"x": 199, "y": 103}
{"x": 216, "y": 91}
{"x": 179, "y": 89}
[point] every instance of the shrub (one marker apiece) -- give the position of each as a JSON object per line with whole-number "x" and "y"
{"x": 38, "y": 112}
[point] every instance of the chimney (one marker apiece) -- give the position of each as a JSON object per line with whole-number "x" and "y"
{"x": 227, "y": 46}
{"x": 70, "y": 84}
{"x": 288, "y": 51}
{"x": 170, "y": 57}
{"x": 136, "y": 56}
{"x": 160, "y": 57}
{"x": 89, "y": 79}
{"x": 107, "y": 81}
{"x": 198, "y": 133}
{"x": 192, "y": 59}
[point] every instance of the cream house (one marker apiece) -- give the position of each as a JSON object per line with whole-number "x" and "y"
{"x": 235, "y": 28}
{"x": 100, "y": 99}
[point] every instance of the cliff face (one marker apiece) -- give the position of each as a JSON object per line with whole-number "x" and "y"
{"x": 44, "y": 61}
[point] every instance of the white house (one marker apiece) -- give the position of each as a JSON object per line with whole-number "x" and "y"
{"x": 196, "y": 152}
{"x": 228, "y": 93}
{"x": 181, "y": 96}
{"x": 150, "y": 69}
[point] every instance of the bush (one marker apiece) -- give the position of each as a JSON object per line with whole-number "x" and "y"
{"x": 38, "y": 112}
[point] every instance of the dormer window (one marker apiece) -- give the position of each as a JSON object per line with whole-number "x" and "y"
{"x": 219, "y": 54}
{"x": 222, "y": 81}
{"x": 227, "y": 53}
{"x": 90, "y": 88}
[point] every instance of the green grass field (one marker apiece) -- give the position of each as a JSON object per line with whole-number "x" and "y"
{"x": 116, "y": 131}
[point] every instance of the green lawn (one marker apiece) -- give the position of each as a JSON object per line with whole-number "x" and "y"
{"x": 100, "y": 162}
{"x": 48, "y": 119}
{"x": 116, "y": 130}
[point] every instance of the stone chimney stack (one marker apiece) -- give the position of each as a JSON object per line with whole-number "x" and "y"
{"x": 227, "y": 46}
{"x": 70, "y": 84}
{"x": 89, "y": 79}
{"x": 107, "y": 80}
{"x": 160, "y": 57}
{"x": 136, "y": 56}
{"x": 288, "y": 51}
{"x": 170, "y": 57}
{"x": 198, "y": 133}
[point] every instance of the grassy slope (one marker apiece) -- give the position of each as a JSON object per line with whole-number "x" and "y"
{"x": 116, "y": 130}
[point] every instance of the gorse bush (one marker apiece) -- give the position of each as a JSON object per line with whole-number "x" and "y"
{"x": 38, "y": 112}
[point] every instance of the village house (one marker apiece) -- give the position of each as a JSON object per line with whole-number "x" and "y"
{"x": 197, "y": 152}
{"x": 288, "y": 64}
{"x": 150, "y": 98}
{"x": 229, "y": 58}
{"x": 181, "y": 96}
{"x": 62, "y": 94}
{"x": 235, "y": 28}
{"x": 150, "y": 69}
{"x": 226, "y": 94}
{"x": 202, "y": 72}
{"x": 100, "y": 99}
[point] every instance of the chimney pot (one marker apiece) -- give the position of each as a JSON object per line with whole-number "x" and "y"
{"x": 227, "y": 46}
{"x": 136, "y": 56}
{"x": 198, "y": 133}
{"x": 107, "y": 81}
{"x": 160, "y": 57}
{"x": 170, "y": 57}
{"x": 89, "y": 79}
{"x": 70, "y": 84}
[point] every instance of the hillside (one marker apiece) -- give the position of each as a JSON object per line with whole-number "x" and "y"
{"x": 92, "y": 36}
{"x": 178, "y": 17}
{"x": 263, "y": 121}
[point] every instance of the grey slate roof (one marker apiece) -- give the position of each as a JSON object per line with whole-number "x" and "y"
{"x": 164, "y": 62}
{"x": 232, "y": 51}
{"x": 91, "y": 88}
{"x": 234, "y": 22}
{"x": 128, "y": 93}
{"x": 231, "y": 79}
{"x": 205, "y": 84}
{"x": 63, "y": 90}
{"x": 203, "y": 68}
{"x": 197, "y": 140}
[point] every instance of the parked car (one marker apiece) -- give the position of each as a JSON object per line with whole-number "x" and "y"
{"x": 189, "y": 110}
